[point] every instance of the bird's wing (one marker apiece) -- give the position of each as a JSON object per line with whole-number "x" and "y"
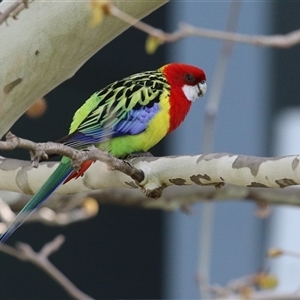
{"x": 122, "y": 108}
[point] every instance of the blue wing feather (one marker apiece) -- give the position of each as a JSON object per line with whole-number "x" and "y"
{"x": 133, "y": 122}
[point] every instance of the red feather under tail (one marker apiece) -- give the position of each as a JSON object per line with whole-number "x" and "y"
{"x": 83, "y": 167}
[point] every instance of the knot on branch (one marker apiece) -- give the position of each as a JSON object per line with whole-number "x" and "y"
{"x": 38, "y": 155}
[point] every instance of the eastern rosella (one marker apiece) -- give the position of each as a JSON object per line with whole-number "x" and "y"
{"x": 127, "y": 116}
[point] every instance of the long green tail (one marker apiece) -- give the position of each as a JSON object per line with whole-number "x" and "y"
{"x": 63, "y": 170}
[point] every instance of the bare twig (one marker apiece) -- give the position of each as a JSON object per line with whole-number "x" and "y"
{"x": 41, "y": 151}
{"x": 60, "y": 210}
{"x": 287, "y": 40}
{"x": 277, "y": 41}
{"x": 14, "y": 9}
{"x": 276, "y": 252}
{"x": 116, "y": 12}
{"x": 40, "y": 259}
{"x": 257, "y": 286}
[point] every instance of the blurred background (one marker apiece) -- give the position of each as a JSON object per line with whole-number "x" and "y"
{"x": 134, "y": 253}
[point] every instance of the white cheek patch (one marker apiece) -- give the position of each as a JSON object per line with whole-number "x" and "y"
{"x": 191, "y": 92}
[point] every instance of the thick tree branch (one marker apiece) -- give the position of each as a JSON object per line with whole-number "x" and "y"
{"x": 40, "y": 259}
{"x": 39, "y": 31}
{"x": 39, "y": 50}
{"x": 151, "y": 174}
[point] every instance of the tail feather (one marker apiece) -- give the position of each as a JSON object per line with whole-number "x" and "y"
{"x": 55, "y": 180}
{"x": 83, "y": 167}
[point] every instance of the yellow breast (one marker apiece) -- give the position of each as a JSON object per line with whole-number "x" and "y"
{"x": 157, "y": 128}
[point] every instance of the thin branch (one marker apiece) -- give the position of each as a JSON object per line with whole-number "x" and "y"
{"x": 287, "y": 40}
{"x": 277, "y": 252}
{"x": 277, "y": 41}
{"x": 40, "y": 259}
{"x": 40, "y": 151}
{"x": 246, "y": 288}
{"x": 60, "y": 210}
{"x": 14, "y": 9}
{"x": 116, "y": 12}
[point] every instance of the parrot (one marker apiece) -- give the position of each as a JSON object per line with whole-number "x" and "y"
{"x": 128, "y": 116}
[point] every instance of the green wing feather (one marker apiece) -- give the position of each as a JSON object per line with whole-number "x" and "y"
{"x": 119, "y": 98}
{"x": 118, "y": 110}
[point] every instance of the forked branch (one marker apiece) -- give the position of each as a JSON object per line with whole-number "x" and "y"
{"x": 40, "y": 259}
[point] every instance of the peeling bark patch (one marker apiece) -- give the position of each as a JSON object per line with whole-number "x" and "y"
{"x": 219, "y": 185}
{"x": 155, "y": 193}
{"x": 253, "y": 163}
{"x": 285, "y": 182}
{"x": 21, "y": 176}
{"x": 256, "y": 184}
{"x": 136, "y": 160}
{"x": 295, "y": 163}
{"x": 197, "y": 178}
{"x": 206, "y": 177}
{"x": 22, "y": 181}
{"x": 11, "y": 85}
{"x": 13, "y": 164}
{"x": 178, "y": 181}
{"x": 208, "y": 157}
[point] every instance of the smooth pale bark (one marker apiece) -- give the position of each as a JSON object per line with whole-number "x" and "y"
{"x": 47, "y": 44}
{"x": 211, "y": 169}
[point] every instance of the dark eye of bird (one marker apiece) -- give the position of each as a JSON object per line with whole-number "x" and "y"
{"x": 189, "y": 78}
{"x": 203, "y": 81}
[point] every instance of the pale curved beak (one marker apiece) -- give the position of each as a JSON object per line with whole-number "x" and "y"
{"x": 202, "y": 89}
